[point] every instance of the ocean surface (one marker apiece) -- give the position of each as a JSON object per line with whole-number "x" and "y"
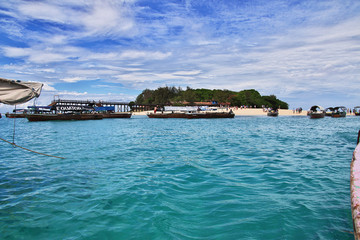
{"x": 140, "y": 178}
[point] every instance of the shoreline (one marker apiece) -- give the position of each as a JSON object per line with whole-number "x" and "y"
{"x": 248, "y": 112}
{"x": 253, "y": 112}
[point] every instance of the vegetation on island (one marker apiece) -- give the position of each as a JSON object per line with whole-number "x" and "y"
{"x": 176, "y": 96}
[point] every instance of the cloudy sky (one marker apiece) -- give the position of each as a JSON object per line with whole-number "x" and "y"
{"x": 304, "y": 52}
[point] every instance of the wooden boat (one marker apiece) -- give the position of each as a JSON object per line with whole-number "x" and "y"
{"x": 355, "y": 190}
{"x": 273, "y": 113}
{"x": 200, "y": 114}
{"x": 167, "y": 115}
{"x": 339, "y": 112}
{"x": 117, "y": 115}
{"x": 15, "y": 115}
{"x": 65, "y": 116}
{"x": 316, "y": 112}
{"x": 356, "y": 111}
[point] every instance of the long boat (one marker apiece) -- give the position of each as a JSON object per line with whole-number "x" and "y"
{"x": 356, "y": 111}
{"x": 63, "y": 116}
{"x": 355, "y": 190}
{"x": 15, "y": 115}
{"x": 210, "y": 115}
{"x": 339, "y": 112}
{"x": 317, "y": 112}
{"x": 167, "y": 115}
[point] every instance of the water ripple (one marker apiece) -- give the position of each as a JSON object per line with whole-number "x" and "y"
{"x": 140, "y": 178}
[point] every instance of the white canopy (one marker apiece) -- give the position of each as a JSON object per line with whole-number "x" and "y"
{"x": 14, "y": 92}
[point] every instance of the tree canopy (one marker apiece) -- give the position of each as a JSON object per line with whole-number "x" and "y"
{"x": 178, "y": 97}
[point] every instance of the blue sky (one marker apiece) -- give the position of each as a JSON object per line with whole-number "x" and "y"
{"x": 304, "y": 52}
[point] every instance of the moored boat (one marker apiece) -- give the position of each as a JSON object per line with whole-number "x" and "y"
{"x": 171, "y": 114}
{"x": 17, "y": 113}
{"x": 273, "y": 113}
{"x": 339, "y": 112}
{"x": 63, "y": 116}
{"x": 316, "y": 112}
{"x": 356, "y": 111}
{"x": 207, "y": 114}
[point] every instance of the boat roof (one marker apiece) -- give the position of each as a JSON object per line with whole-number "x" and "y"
{"x": 315, "y": 107}
{"x": 340, "y": 107}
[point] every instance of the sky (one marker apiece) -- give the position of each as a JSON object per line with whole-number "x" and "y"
{"x": 304, "y": 52}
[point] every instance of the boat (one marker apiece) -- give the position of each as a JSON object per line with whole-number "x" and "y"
{"x": 273, "y": 113}
{"x": 316, "y": 112}
{"x": 339, "y": 112}
{"x": 35, "y": 117}
{"x": 355, "y": 190}
{"x": 207, "y": 114}
{"x": 17, "y": 113}
{"x": 356, "y": 111}
{"x": 167, "y": 114}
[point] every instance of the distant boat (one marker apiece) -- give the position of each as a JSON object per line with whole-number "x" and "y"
{"x": 356, "y": 111}
{"x": 63, "y": 116}
{"x": 18, "y": 113}
{"x": 339, "y": 112}
{"x": 273, "y": 113}
{"x": 210, "y": 115}
{"x": 167, "y": 114}
{"x": 317, "y": 112}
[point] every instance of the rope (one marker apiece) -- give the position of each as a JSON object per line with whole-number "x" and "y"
{"x": 30, "y": 150}
{"x": 14, "y": 127}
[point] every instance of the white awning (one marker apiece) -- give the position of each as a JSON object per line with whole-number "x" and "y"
{"x": 14, "y": 92}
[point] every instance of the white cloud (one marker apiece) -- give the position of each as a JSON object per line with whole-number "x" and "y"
{"x": 132, "y": 54}
{"x": 73, "y": 79}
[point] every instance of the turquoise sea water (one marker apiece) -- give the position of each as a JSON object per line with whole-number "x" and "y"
{"x": 140, "y": 178}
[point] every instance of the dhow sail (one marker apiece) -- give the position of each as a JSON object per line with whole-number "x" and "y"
{"x": 14, "y": 92}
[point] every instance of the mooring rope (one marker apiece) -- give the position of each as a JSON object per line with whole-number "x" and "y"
{"x": 14, "y": 127}
{"x": 30, "y": 149}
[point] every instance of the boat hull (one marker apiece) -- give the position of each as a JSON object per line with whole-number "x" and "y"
{"x": 338, "y": 115}
{"x": 210, "y": 115}
{"x": 273, "y": 114}
{"x": 167, "y": 115}
{"x": 15, "y": 115}
{"x": 63, "y": 117}
{"x": 117, "y": 115}
{"x": 317, "y": 115}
